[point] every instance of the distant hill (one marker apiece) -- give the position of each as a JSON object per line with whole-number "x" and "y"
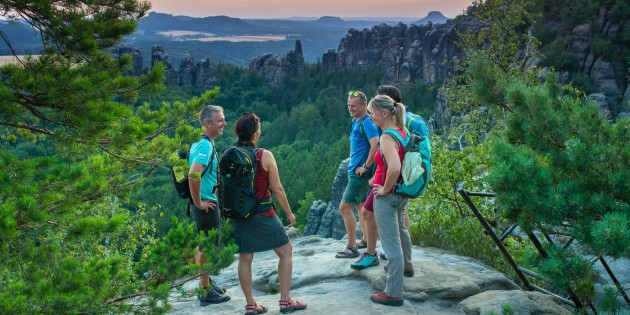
{"x": 434, "y": 17}
{"x": 222, "y": 24}
{"x": 23, "y": 38}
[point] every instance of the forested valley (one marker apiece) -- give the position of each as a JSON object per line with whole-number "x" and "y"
{"x": 90, "y": 222}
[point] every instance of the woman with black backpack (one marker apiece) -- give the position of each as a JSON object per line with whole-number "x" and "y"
{"x": 264, "y": 231}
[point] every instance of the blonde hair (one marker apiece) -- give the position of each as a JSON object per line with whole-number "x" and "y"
{"x": 383, "y": 103}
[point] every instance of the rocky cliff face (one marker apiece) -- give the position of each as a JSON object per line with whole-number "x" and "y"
{"x": 274, "y": 69}
{"x": 609, "y": 77}
{"x": 200, "y": 73}
{"x": 136, "y": 58}
{"x": 324, "y": 219}
{"x": 406, "y": 53}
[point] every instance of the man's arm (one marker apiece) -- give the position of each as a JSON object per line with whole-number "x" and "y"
{"x": 194, "y": 183}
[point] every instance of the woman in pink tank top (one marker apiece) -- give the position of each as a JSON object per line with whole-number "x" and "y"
{"x": 389, "y": 115}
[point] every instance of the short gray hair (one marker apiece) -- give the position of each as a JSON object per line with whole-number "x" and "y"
{"x": 208, "y": 112}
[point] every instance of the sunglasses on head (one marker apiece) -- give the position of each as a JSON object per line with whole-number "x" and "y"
{"x": 353, "y": 93}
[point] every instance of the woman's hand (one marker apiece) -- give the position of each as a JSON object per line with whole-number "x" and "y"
{"x": 291, "y": 219}
{"x": 378, "y": 190}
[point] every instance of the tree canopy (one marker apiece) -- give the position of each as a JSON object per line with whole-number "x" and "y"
{"x": 74, "y": 143}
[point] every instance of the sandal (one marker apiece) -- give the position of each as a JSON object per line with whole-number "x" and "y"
{"x": 362, "y": 244}
{"x": 291, "y": 305}
{"x": 348, "y": 252}
{"x": 255, "y": 309}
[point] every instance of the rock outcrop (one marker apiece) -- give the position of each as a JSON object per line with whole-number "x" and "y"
{"x": 201, "y": 73}
{"x": 412, "y": 53}
{"x": 159, "y": 55}
{"x": 324, "y": 219}
{"x": 275, "y": 68}
{"x": 443, "y": 284}
{"x": 136, "y": 58}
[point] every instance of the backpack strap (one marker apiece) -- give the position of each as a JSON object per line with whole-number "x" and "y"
{"x": 263, "y": 204}
{"x": 212, "y": 154}
{"x": 362, "y": 130}
{"x": 394, "y": 133}
{"x": 205, "y": 169}
{"x": 401, "y": 142}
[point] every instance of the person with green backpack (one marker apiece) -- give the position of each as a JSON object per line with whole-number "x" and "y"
{"x": 413, "y": 123}
{"x": 389, "y": 206}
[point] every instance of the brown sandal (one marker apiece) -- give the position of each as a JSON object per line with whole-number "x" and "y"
{"x": 362, "y": 244}
{"x": 348, "y": 252}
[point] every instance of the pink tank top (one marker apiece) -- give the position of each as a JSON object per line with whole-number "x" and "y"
{"x": 381, "y": 169}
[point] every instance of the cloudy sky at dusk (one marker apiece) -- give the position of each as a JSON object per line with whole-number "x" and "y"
{"x": 308, "y": 8}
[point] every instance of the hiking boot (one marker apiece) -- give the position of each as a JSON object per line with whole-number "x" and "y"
{"x": 406, "y": 272}
{"x": 216, "y": 287}
{"x": 213, "y": 297}
{"x": 365, "y": 261}
{"x": 383, "y": 298}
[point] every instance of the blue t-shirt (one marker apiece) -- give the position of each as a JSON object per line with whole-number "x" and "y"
{"x": 200, "y": 153}
{"x": 359, "y": 145}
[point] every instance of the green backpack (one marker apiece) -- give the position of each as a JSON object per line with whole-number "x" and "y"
{"x": 416, "y": 165}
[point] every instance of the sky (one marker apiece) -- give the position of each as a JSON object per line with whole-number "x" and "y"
{"x": 315, "y": 8}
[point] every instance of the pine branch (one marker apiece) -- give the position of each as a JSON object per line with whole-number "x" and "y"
{"x": 120, "y": 157}
{"x": 28, "y": 127}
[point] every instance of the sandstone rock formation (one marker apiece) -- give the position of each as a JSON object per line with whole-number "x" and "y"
{"x": 443, "y": 284}
{"x": 201, "y": 73}
{"x": 136, "y": 58}
{"x": 274, "y": 69}
{"x": 324, "y": 219}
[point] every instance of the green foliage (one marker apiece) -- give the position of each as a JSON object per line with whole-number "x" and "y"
{"x": 305, "y": 205}
{"x": 556, "y": 54}
{"x": 609, "y": 302}
{"x": 73, "y": 145}
{"x": 463, "y": 153}
{"x": 575, "y": 164}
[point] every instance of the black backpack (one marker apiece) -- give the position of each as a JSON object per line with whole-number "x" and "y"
{"x": 179, "y": 172}
{"x": 237, "y": 194}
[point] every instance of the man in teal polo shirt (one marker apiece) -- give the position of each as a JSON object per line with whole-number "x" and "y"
{"x": 202, "y": 179}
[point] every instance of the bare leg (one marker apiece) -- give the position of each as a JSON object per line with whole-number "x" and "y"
{"x": 285, "y": 269}
{"x": 245, "y": 275}
{"x": 204, "y": 278}
{"x": 361, "y": 221}
{"x": 371, "y": 230}
{"x": 349, "y": 221}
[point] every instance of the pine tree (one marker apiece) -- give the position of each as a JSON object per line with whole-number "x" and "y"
{"x": 561, "y": 167}
{"x": 67, "y": 244}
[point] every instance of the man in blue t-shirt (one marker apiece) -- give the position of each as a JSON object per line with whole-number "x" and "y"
{"x": 363, "y": 146}
{"x": 202, "y": 179}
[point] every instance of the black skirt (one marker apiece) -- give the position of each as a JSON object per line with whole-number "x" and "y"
{"x": 259, "y": 234}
